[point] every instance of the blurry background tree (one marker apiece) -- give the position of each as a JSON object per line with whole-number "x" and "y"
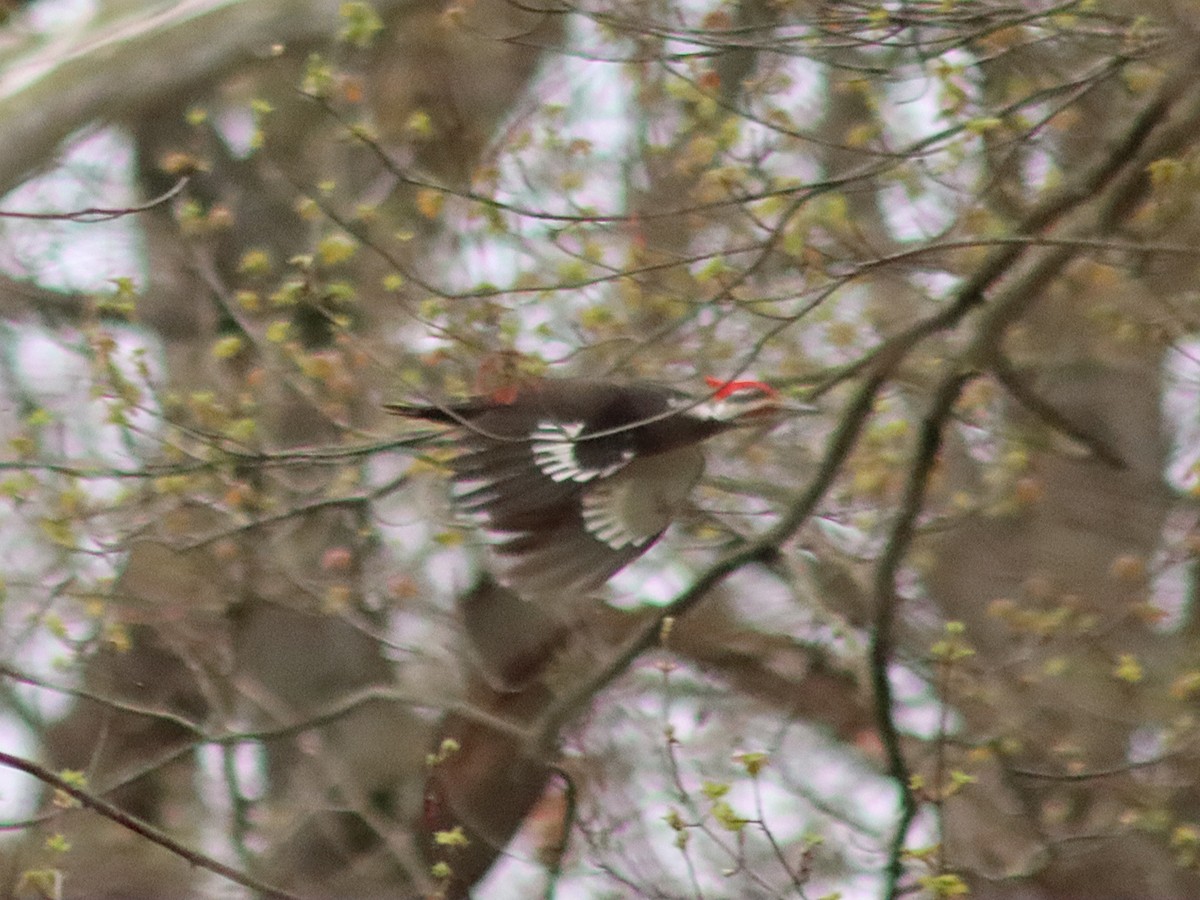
{"x": 940, "y": 638}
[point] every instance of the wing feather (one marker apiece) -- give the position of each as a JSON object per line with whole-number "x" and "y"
{"x": 563, "y": 559}
{"x": 564, "y": 509}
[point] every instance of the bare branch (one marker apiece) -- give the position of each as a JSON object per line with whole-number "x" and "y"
{"x": 144, "y": 829}
{"x": 1024, "y": 393}
{"x": 903, "y": 528}
{"x": 97, "y": 213}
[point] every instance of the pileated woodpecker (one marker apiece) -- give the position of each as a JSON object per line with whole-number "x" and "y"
{"x": 572, "y": 479}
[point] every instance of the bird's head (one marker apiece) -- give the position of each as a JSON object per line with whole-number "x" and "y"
{"x": 745, "y": 403}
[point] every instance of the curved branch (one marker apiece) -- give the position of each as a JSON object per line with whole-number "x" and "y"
{"x": 93, "y": 214}
{"x": 329, "y": 714}
{"x": 1024, "y": 394}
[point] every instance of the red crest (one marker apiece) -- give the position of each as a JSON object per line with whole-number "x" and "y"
{"x": 725, "y": 388}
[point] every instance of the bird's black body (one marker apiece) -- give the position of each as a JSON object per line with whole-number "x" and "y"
{"x": 642, "y": 418}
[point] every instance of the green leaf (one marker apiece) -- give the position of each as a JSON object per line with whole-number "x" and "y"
{"x": 452, "y": 838}
{"x": 360, "y": 24}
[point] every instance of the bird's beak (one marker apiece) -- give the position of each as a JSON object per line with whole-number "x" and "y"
{"x": 770, "y": 412}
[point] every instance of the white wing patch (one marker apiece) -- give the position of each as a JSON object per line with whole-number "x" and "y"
{"x": 553, "y": 446}
{"x": 633, "y": 508}
{"x": 602, "y": 520}
{"x": 471, "y": 498}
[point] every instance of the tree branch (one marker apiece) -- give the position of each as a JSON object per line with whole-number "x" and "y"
{"x": 929, "y": 442}
{"x": 1024, "y": 394}
{"x": 93, "y": 214}
{"x": 142, "y": 828}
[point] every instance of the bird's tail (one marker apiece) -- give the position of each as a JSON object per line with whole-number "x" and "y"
{"x": 427, "y": 412}
{"x": 415, "y": 411}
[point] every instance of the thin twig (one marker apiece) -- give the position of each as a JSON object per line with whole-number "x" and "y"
{"x": 94, "y": 214}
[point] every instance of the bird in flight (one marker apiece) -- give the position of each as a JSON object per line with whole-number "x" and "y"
{"x": 572, "y": 479}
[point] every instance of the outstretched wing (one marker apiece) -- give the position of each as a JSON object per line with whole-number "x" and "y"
{"x": 604, "y": 525}
{"x": 560, "y": 484}
{"x": 513, "y": 484}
